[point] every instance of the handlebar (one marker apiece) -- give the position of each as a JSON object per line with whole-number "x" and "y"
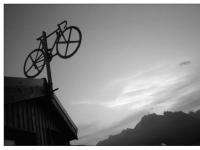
{"x": 39, "y": 38}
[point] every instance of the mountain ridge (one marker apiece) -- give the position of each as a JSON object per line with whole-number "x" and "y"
{"x": 171, "y": 128}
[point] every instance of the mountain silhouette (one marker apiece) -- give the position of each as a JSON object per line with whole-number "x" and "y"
{"x": 171, "y": 128}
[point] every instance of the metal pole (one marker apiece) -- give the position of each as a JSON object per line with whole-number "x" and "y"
{"x": 47, "y": 61}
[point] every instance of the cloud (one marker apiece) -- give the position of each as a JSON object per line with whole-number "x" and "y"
{"x": 143, "y": 90}
{"x": 184, "y": 63}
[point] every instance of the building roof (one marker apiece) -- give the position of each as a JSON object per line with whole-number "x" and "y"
{"x": 25, "y": 89}
{"x": 20, "y": 89}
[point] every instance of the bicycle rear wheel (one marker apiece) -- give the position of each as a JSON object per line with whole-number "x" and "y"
{"x": 69, "y": 43}
{"x": 34, "y": 63}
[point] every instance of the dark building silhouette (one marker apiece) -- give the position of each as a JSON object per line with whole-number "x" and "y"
{"x": 34, "y": 117}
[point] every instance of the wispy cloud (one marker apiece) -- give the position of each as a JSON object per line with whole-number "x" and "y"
{"x": 184, "y": 63}
{"x": 156, "y": 86}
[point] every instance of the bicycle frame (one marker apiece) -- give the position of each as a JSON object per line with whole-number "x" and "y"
{"x": 43, "y": 39}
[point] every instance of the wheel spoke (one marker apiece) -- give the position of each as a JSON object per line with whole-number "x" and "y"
{"x": 32, "y": 59}
{"x": 39, "y": 60}
{"x": 37, "y": 68}
{"x": 64, "y": 42}
{"x": 40, "y": 66}
{"x": 36, "y": 55}
{"x": 39, "y": 57}
{"x": 29, "y": 68}
{"x": 34, "y": 63}
{"x": 66, "y": 49}
{"x": 68, "y": 41}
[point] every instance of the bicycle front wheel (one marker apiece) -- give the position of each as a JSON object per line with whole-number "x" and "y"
{"x": 69, "y": 42}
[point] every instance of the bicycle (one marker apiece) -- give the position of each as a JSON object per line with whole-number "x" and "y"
{"x": 41, "y": 56}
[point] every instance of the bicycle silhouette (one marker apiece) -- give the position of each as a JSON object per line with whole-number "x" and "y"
{"x": 65, "y": 44}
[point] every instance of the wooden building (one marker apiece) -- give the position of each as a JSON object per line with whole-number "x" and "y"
{"x": 32, "y": 116}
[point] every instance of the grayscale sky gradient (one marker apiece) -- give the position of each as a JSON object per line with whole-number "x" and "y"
{"x": 133, "y": 60}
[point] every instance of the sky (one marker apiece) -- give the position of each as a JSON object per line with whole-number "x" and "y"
{"x": 133, "y": 60}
